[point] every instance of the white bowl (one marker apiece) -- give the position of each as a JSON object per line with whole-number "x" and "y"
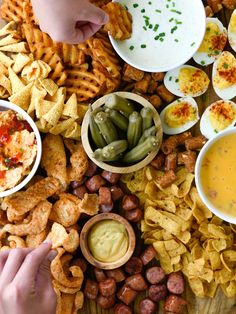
{"x": 201, "y": 192}
{"x": 5, "y": 105}
{"x": 178, "y": 45}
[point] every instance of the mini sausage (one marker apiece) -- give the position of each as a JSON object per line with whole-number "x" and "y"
{"x": 189, "y": 160}
{"x": 174, "y": 304}
{"x": 130, "y": 202}
{"x": 122, "y": 309}
{"x": 159, "y": 161}
{"x": 111, "y": 177}
{"x": 134, "y": 215}
{"x": 148, "y": 255}
{"x": 171, "y": 162}
{"x": 127, "y": 295}
{"x": 116, "y": 193}
{"x": 134, "y": 266}
{"x": 106, "y": 302}
{"x": 175, "y": 283}
{"x": 92, "y": 169}
{"x": 196, "y": 142}
{"x": 170, "y": 144}
{"x": 80, "y": 191}
{"x": 107, "y": 287}
{"x": 91, "y": 289}
{"x": 99, "y": 274}
{"x": 116, "y": 274}
{"x": 136, "y": 282}
{"x": 155, "y": 275}
{"x": 157, "y": 292}
{"x": 167, "y": 179}
{"x": 76, "y": 184}
{"x": 94, "y": 183}
{"x": 147, "y": 306}
{"x": 106, "y": 208}
{"x": 104, "y": 196}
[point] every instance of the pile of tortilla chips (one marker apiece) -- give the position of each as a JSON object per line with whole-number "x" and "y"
{"x": 185, "y": 234}
{"x": 28, "y": 224}
{"x": 24, "y": 81}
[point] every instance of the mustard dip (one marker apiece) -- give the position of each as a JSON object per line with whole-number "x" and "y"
{"x": 218, "y": 174}
{"x": 108, "y": 241}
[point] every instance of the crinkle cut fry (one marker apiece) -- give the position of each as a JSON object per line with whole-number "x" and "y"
{"x": 83, "y": 83}
{"x": 18, "y": 11}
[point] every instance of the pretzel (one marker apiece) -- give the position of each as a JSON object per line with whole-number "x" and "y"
{"x": 120, "y": 21}
{"x": 86, "y": 85}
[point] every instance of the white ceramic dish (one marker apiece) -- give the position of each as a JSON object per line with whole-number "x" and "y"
{"x": 5, "y": 105}
{"x": 202, "y": 194}
{"x": 183, "y": 22}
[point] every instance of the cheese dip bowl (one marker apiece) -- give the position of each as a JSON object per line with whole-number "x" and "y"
{"x": 107, "y": 241}
{"x": 216, "y": 175}
{"x": 165, "y": 34}
{"x": 20, "y": 148}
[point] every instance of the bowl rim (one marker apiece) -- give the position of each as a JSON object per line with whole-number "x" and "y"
{"x": 115, "y": 45}
{"x": 202, "y": 195}
{"x": 84, "y": 237}
{"x": 8, "y": 105}
{"x": 129, "y": 168}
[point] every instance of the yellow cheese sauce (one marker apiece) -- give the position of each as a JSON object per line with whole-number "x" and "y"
{"x": 108, "y": 241}
{"x": 218, "y": 174}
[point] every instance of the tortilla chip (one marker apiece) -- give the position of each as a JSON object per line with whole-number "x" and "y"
{"x": 49, "y": 86}
{"x": 21, "y": 61}
{"x": 23, "y": 97}
{"x": 37, "y": 96}
{"x": 54, "y": 114}
{"x": 16, "y": 83}
{"x": 4, "y": 59}
{"x": 18, "y": 47}
{"x": 5, "y": 82}
{"x": 62, "y": 126}
{"x": 73, "y": 132}
{"x": 71, "y": 107}
{"x": 42, "y": 107}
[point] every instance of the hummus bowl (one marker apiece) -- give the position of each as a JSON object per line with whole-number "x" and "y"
{"x": 20, "y": 148}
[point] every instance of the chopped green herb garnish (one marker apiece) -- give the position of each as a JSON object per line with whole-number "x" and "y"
{"x": 158, "y": 11}
{"x": 171, "y": 20}
{"x": 177, "y": 80}
{"x": 192, "y": 44}
{"x": 215, "y": 131}
{"x": 216, "y": 52}
{"x": 143, "y": 10}
{"x": 161, "y": 39}
{"x": 150, "y": 26}
{"x": 146, "y": 22}
{"x": 145, "y": 28}
{"x": 146, "y": 17}
{"x": 203, "y": 62}
{"x": 143, "y": 46}
{"x": 156, "y": 27}
{"x": 170, "y": 78}
{"x": 173, "y": 29}
{"x": 178, "y": 22}
{"x": 131, "y": 48}
{"x": 225, "y": 65}
{"x": 22, "y": 150}
{"x": 176, "y": 40}
{"x": 126, "y": 8}
{"x": 208, "y": 29}
{"x": 167, "y": 6}
{"x": 149, "y": 2}
{"x": 176, "y": 11}
{"x": 173, "y": 4}
{"x": 135, "y": 5}
{"x": 162, "y": 34}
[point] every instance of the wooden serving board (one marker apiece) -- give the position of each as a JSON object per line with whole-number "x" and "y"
{"x": 220, "y": 304}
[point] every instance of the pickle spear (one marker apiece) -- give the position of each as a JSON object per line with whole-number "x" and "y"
{"x": 134, "y": 129}
{"x": 106, "y": 127}
{"x": 119, "y": 103}
{"x": 95, "y": 132}
{"x": 147, "y": 115}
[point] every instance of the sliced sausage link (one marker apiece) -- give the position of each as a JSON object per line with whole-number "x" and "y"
{"x": 174, "y": 304}
{"x": 122, "y": 309}
{"x": 116, "y": 274}
{"x": 111, "y": 177}
{"x": 157, "y": 292}
{"x": 130, "y": 202}
{"x": 155, "y": 275}
{"x": 175, "y": 283}
{"x": 106, "y": 302}
{"x": 127, "y": 295}
{"x": 92, "y": 169}
{"x": 134, "y": 215}
{"x": 80, "y": 191}
{"x": 105, "y": 196}
{"x": 148, "y": 255}
{"x": 94, "y": 183}
{"x": 116, "y": 193}
{"x": 134, "y": 266}
{"x": 107, "y": 287}
{"x": 136, "y": 282}
{"x": 147, "y": 306}
{"x": 99, "y": 274}
{"x": 91, "y": 289}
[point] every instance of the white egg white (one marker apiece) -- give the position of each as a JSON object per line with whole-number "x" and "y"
{"x": 232, "y": 35}
{"x": 171, "y": 81}
{"x": 206, "y": 126}
{"x": 223, "y": 93}
{"x": 186, "y": 126}
{"x": 204, "y": 58}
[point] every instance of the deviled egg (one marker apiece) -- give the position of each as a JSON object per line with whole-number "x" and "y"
{"x": 186, "y": 80}
{"x": 213, "y": 43}
{"x": 179, "y": 116}
{"x": 224, "y": 76}
{"x": 217, "y": 117}
{"x": 232, "y": 30}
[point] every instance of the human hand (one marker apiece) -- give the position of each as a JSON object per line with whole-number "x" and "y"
{"x": 70, "y": 21}
{"x": 25, "y": 281}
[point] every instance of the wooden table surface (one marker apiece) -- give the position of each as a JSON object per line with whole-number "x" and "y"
{"x": 220, "y": 304}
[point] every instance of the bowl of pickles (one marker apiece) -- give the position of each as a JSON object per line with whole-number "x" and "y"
{"x": 121, "y": 132}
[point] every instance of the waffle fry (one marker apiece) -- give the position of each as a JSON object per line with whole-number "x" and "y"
{"x": 71, "y": 54}
{"x": 100, "y": 3}
{"x": 17, "y": 11}
{"x": 84, "y": 84}
{"x": 120, "y": 21}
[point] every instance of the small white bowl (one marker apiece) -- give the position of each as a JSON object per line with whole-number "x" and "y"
{"x": 200, "y": 190}
{"x": 6, "y": 105}
{"x": 181, "y": 25}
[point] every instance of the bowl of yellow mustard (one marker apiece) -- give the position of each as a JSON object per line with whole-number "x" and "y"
{"x": 216, "y": 175}
{"x": 107, "y": 241}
